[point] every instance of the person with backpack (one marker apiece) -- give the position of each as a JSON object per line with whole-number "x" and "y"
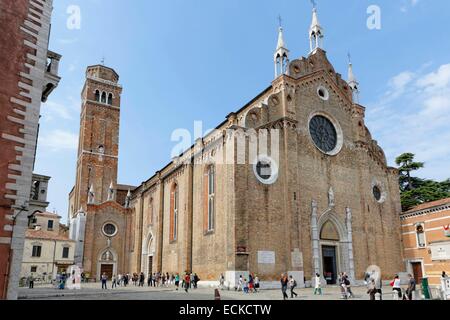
{"x": 292, "y": 285}
{"x": 348, "y": 286}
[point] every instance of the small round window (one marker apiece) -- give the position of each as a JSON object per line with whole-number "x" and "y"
{"x": 377, "y": 193}
{"x": 109, "y": 230}
{"x": 266, "y": 169}
{"x": 323, "y": 93}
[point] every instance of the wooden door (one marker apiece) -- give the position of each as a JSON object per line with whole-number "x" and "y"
{"x": 108, "y": 269}
{"x": 417, "y": 271}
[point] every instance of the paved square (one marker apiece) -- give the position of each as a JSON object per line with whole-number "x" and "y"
{"x": 93, "y": 291}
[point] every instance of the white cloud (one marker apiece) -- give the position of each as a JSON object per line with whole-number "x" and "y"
{"x": 53, "y": 110}
{"x": 58, "y": 140}
{"x": 407, "y": 4}
{"x": 67, "y": 41}
{"x": 413, "y": 116}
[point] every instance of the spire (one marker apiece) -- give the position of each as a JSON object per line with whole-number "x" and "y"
{"x": 316, "y": 32}
{"x": 91, "y": 197}
{"x": 352, "y": 82}
{"x": 281, "y": 56}
{"x": 111, "y": 192}
{"x": 128, "y": 199}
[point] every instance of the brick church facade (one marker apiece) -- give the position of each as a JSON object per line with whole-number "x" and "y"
{"x": 292, "y": 182}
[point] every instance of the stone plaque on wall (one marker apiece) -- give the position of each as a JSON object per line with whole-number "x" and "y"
{"x": 440, "y": 251}
{"x": 266, "y": 257}
{"x": 297, "y": 259}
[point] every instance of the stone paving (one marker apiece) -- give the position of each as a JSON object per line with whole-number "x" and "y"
{"x": 93, "y": 291}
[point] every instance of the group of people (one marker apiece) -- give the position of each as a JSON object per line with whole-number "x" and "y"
{"x": 288, "y": 282}
{"x": 250, "y": 285}
{"x": 157, "y": 279}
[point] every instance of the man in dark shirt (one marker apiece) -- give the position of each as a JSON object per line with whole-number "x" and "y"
{"x": 411, "y": 287}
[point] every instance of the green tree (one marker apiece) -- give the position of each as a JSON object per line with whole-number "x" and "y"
{"x": 406, "y": 166}
{"x": 415, "y": 191}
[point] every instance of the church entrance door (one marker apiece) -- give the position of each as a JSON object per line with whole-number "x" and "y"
{"x": 150, "y": 265}
{"x": 108, "y": 269}
{"x": 329, "y": 264}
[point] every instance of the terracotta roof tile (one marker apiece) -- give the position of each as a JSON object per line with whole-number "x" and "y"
{"x": 46, "y": 235}
{"x": 428, "y": 205}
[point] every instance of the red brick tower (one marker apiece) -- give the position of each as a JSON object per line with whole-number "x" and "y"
{"x": 98, "y": 147}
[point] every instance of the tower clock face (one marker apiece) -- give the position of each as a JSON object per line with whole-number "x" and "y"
{"x": 323, "y": 133}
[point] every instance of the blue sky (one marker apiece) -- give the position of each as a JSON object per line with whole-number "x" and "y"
{"x": 185, "y": 60}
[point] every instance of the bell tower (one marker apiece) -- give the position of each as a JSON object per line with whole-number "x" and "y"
{"x": 98, "y": 146}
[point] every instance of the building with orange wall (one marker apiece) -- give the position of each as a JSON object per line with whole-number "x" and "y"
{"x": 426, "y": 240}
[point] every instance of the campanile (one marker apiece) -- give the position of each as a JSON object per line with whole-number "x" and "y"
{"x": 98, "y": 146}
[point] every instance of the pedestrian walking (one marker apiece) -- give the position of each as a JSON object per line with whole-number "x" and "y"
{"x": 348, "y": 286}
{"x": 177, "y": 281}
{"x": 284, "y": 284}
{"x": 221, "y": 281}
{"x": 30, "y": 280}
{"x": 256, "y": 284}
{"x": 396, "y": 288}
{"x": 191, "y": 283}
{"x": 104, "y": 278}
{"x": 292, "y": 285}
{"x": 114, "y": 282}
{"x": 343, "y": 286}
{"x": 187, "y": 281}
{"x": 240, "y": 283}
{"x": 196, "y": 280}
{"x": 250, "y": 282}
{"x": 411, "y": 287}
{"x": 317, "y": 285}
{"x": 141, "y": 279}
{"x": 371, "y": 290}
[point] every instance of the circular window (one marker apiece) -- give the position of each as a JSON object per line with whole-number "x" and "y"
{"x": 376, "y": 193}
{"x": 323, "y": 133}
{"x": 109, "y": 230}
{"x": 322, "y": 92}
{"x": 266, "y": 169}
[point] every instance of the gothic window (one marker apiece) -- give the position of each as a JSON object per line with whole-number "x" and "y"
{"x": 174, "y": 207}
{"x": 103, "y": 97}
{"x": 110, "y": 97}
{"x": 323, "y": 133}
{"x": 420, "y": 233}
{"x": 97, "y": 95}
{"x": 109, "y": 230}
{"x": 210, "y": 186}
{"x": 150, "y": 212}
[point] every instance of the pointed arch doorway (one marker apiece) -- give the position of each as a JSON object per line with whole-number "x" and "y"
{"x": 329, "y": 247}
{"x": 148, "y": 253}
